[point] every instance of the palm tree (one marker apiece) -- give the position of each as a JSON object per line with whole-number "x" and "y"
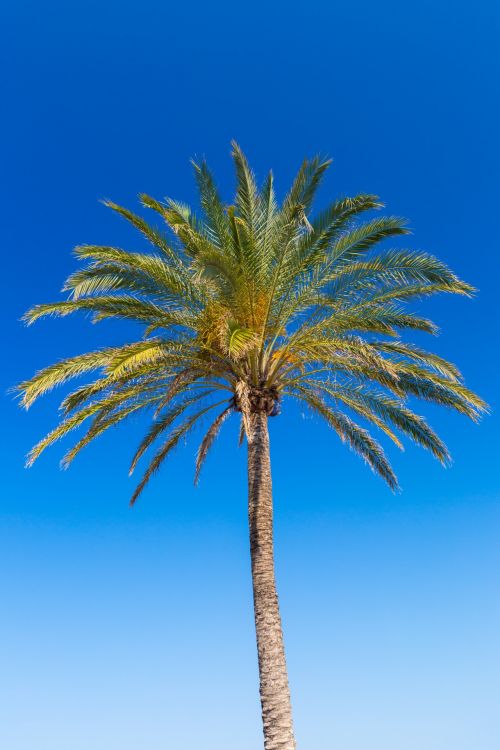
{"x": 242, "y": 306}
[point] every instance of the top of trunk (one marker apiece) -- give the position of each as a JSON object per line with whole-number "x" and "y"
{"x": 259, "y": 400}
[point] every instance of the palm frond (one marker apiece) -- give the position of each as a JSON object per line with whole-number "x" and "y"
{"x": 153, "y": 235}
{"x": 209, "y": 439}
{"x": 213, "y": 208}
{"x": 60, "y": 372}
{"x": 246, "y": 189}
{"x": 171, "y": 442}
{"x": 103, "y": 421}
{"x": 358, "y": 439}
{"x": 113, "y": 306}
{"x": 377, "y": 406}
{"x": 414, "y": 353}
{"x": 157, "y": 428}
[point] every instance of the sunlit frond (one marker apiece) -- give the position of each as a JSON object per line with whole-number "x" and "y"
{"x": 60, "y": 372}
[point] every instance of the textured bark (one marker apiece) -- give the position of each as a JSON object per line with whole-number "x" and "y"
{"x": 274, "y": 690}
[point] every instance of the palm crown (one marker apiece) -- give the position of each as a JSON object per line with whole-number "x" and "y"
{"x": 249, "y": 303}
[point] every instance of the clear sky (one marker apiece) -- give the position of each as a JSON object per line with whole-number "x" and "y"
{"x": 127, "y": 628}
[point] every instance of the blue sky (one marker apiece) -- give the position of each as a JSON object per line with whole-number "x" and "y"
{"x": 124, "y": 628}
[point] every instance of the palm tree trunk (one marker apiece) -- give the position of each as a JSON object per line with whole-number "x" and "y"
{"x": 274, "y": 690}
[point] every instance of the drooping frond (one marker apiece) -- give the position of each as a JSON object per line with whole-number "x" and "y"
{"x": 414, "y": 353}
{"x": 102, "y": 422}
{"x": 358, "y": 439}
{"x": 381, "y": 408}
{"x": 162, "y": 424}
{"x": 209, "y": 440}
{"x": 118, "y": 405}
{"x": 416, "y": 381}
{"x": 167, "y": 447}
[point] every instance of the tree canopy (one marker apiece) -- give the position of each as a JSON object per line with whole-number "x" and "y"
{"x": 244, "y": 305}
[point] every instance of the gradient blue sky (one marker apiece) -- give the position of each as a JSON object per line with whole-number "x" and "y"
{"x": 133, "y": 628}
